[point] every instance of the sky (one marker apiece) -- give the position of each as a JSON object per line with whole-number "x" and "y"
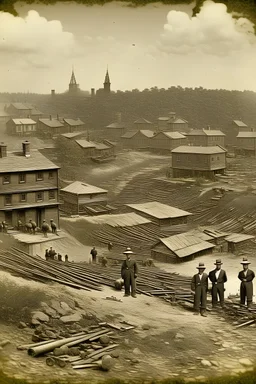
{"x": 156, "y": 45}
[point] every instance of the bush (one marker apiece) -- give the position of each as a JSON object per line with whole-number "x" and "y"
{"x": 16, "y": 302}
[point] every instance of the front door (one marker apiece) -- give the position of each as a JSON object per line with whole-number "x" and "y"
{"x": 39, "y": 217}
{"x": 21, "y": 216}
{"x": 8, "y": 217}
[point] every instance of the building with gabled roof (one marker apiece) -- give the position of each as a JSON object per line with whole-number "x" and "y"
{"x": 168, "y": 141}
{"x": 143, "y": 124}
{"x": 74, "y": 125}
{"x": 206, "y": 137}
{"x": 29, "y": 186}
{"x": 21, "y": 127}
{"x": 182, "y": 247}
{"x": 51, "y": 127}
{"x": 137, "y": 139}
{"x": 232, "y": 129}
{"x": 78, "y": 196}
{"x": 246, "y": 143}
{"x": 172, "y": 123}
{"x": 116, "y": 129}
{"x": 194, "y": 161}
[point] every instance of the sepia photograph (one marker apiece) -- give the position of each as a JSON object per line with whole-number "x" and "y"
{"x": 127, "y": 192}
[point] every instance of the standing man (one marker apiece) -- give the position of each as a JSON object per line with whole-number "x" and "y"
{"x": 218, "y": 277}
{"x": 199, "y": 287}
{"x": 246, "y": 288}
{"x": 53, "y": 227}
{"x": 129, "y": 272}
{"x": 94, "y": 255}
{"x": 45, "y": 228}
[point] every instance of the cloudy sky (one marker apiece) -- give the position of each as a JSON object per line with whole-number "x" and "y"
{"x": 155, "y": 45}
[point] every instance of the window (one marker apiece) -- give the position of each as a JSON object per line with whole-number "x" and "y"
{"x": 8, "y": 200}
{"x": 22, "y": 178}
{"x": 51, "y": 195}
{"x": 39, "y": 196}
{"x": 19, "y": 129}
{"x": 6, "y": 179}
{"x": 212, "y": 158}
{"x": 51, "y": 175}
{"x": 39, "y": 176}
{"x": 23, "y": 197}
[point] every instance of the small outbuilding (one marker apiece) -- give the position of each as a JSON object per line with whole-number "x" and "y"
{"x": 237, "y": 242}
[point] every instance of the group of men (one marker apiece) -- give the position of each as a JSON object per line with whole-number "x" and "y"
{"x": 218, "y": 277}
{"x": 199, "y": 283}
{"x": 31, "y": 227}
{"x": 50, "y": 254}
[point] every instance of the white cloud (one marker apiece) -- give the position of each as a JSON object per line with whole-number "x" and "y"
{"x": 35, "y": 40}
{"x": 212, "y": 31}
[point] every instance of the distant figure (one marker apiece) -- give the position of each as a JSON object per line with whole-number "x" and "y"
{"x": 47, "y": 255}
{"x": 34, "y": 226}
{"x": 94, "y": 255}
{"x": 59, "y": 257}
{"x": 45, "y": 228}
{"x": 52, "y": 253}
{"x": 129, "y": 272}
{"x": 199, "y": 287}
{"x": 29, "y": 227}
{"x": 20, "y": 225}
{"x": 218, "y": 277}
{"x": 110, "y": 246}
{"x": 4, "y": 225}
{"x": 66, "y": 258}
{"x": 104, "y": 261}
{"x": 1, "y": 227}
{"x": 53, "y": 227}
{"x": 246, "y": 288}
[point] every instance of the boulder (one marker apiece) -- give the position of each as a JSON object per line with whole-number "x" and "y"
{"x": 71, "y": 318}
{"x": 179, "y": 336}
{"x": 49, "y": 311}
{"x": 246, "y": 362}
{"x": 4, "y": 343}
{"x": 104, "y": 340}
{"x": 206, "y": 363}
{"x": 66, "y": 307}
{"x": 40, "y": 316}
{"x": 22, "y": 325}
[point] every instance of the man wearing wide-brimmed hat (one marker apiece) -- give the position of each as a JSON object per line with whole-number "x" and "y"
{"x": 218, "y": 277}
{"x": 129, "y": 272}
{"x": 199, "y": 286}
{"x": 246, "y": 288}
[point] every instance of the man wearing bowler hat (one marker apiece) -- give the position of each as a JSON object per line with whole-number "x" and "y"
{"x": 218, "y": 277}
{"x": 129, "y": 273}
{"x": 246, "y": 288}
{"x": 199, "y": 287}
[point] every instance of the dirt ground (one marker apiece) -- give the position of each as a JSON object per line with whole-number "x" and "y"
{"x": 174, "y": 345}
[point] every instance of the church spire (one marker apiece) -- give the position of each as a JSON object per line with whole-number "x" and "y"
{"x": 107, "y": 82}
{"x": 73, "y": 86}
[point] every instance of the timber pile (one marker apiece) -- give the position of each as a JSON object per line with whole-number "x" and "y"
{"x": 93, "y": 347}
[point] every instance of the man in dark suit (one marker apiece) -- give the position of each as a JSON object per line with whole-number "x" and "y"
{"x": 199, "y": 287}
{"x": 218, "y": 277}
{"x": 129, "y": 272}
{"x": 246, "y": 288}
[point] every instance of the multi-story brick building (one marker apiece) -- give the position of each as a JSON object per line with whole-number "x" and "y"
{"x": 28, "y": 186}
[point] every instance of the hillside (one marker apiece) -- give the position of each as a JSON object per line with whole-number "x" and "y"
{"x": 201, "y": 107}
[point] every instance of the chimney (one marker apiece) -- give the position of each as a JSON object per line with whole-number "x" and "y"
{"x": 172, "y": 115}
{"x": 3, "y": 150}
{"x": 53, "y": 92}
{"x": 26, "y": 148}
{"x": 50, "y": 117}
{"x": 119, "y": 117}
{"x": 92, "y": 91}
{"x": 208, "y": 127}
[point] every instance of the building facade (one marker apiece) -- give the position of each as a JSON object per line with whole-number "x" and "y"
{"x": 51, "y": 127}
{"x": 206, "y": 137}
{"x": 189, "y": 161}
{"x": 29, "y": 186}
{"x": 143, "y": 124}
{"x": 74, "y": 125}
{"x": 246, "y": 143}
{"x": 21, "y": 127}
{"x": 167, "y": 141}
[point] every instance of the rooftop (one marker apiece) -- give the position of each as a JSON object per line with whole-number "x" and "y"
{"x": 129, "y": 134}
{"x": 142, "y": 121}
{"x": 79, "y": 188}
{"x": 21, "y": 106}
{"x": 23, "y": 121}
{"x": 246, "y": 134}
{"x": 116, "y": 125}
{"x": 17, "y": 162}
{"x": 74, "y": 122}
{"x": 158, "y": 210}
{"x": 119, "y": 220}
{"x": 101, "y": 146}
{"x": 186, "y": 244}
{"x": 239, "y": 123}
{"x": 85, "y": 144}
{"x": 70, "y": 135}
{"x": 205, "y": 132}
{"x": 146, "y": 132}
{"x": 177, "y": 121}
{"x": 52, "y": 123}
{"x": 238, "y": 238}
{"x": 163, "y": 118}
{"x": 172, "y": 135}
{"x": 199, "y": 150}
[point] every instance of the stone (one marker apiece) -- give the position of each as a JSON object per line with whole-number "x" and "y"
{"x": 179, "y": 336}
{"x": 135, "y": 361}
{"x": 23, "y": 364}
{"x": 185, "y": 371}
{"x": 214, "y": 363}
{"x": 226, "y": 345}
{"x": 145, "y": 327}
{"x": 50, "y": 334}
{"x": 35, "y": 322}
{"x": 246, "y": 362}
{"x": 4, "y": 343}
{"x": 22, "y": 325}
{"x": 115, "y": 354}
{"x": 49, "y": 311}
{"x": 71, "y": 318}
{"x": 66, "y": 307}
{"x": 206, "y": 363}
{"x": 57, "y": 307}
{"x": 137, "y": 351}
{"x": 104, "y": 340}
{"x": 167, "y": 342}
{"x": 40, "y": 316}
{"x": 221, "y": 349}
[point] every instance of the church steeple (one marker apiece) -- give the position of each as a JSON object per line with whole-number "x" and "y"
{"x": 107, "y": 83}
{"x": 73, "y": 86}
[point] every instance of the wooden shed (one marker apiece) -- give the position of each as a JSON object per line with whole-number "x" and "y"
{"x": 182, "y": 247}
{"x": 167, "y": 141}
{"x": 87, "y": 146}
{"x": 78, "y": 196}
{"x": 161, "y": 214}
{"x": 237, "y": 242}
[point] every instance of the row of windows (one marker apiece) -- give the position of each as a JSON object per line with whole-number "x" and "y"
{"x": 22, "y": 177}
{"x": 202, "y": 159}
{"x": 23, "y": 197}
